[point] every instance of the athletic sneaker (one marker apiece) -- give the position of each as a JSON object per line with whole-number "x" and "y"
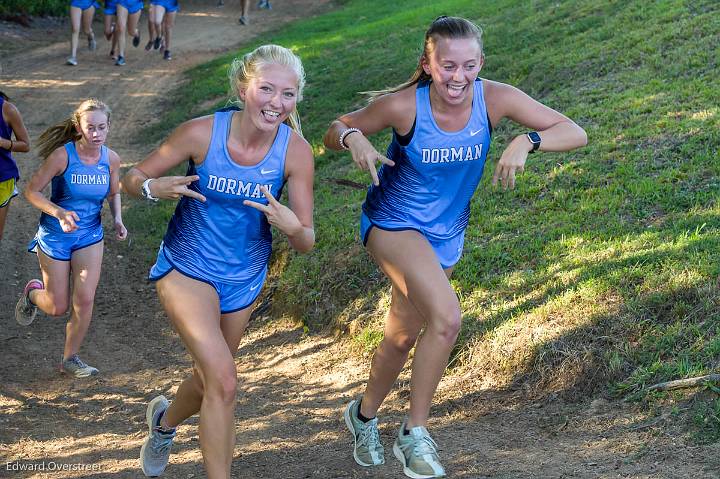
{"x": 264, "y": 4}
{"x": 77, "y": 367}
{"x": 120, "y": 61}
{"x": 148, "y": 45}
{"x": 71, "y": 61}
{"x": 368, "y": 450}
{"x": 136, "y": 40}
{"x": 157, "y": 42}
{"x": 166, "y": 55}
{"x": 243, "y": 20}
{"x": 155, "y": 451}
{"x": 92, "y": 45}
{"x": 221, "y": 3}
{"x": 418, "y": 453}
{"x": 25, "y": 310}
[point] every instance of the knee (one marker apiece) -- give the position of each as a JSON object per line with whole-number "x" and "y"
{"x": 446, "y": 324}
{"x": 400, "y": 343}
{"x": 221, "y": 386}
{"x": 83, "y": 300}
{"x": 58, "y": 306}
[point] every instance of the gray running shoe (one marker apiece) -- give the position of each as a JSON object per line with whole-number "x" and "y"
{"x": 368, "y": 450}
{"x": 120, "y": 61}
{"x": 25, "y": 311}
{"x": 72, "y": 61}
{"x": 155, "y": 451}
{"x": 243, "y": 20}
{"x": 77, "y": 367}
{"x": 418, "y": 453}
{"x": 92, "y": 44}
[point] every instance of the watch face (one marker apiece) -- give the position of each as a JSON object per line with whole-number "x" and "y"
{"x": 534, "y": 137}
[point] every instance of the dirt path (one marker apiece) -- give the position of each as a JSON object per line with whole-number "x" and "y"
{"x": 293, "y": 388}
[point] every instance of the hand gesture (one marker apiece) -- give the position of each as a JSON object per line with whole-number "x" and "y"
{"x": 277, "y": 214}
{"x": 511, "y": 162}
{"x": 365, "y": 155}
{"x": 68, "y": 220}
{"x": 120, "y": 231}
{"x": 173, "y": 187}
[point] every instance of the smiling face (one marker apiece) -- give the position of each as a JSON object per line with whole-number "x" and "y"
{"x": 454, "y": 64}
{"x": 270, "y": 96}
{"x": 93, "y": 127}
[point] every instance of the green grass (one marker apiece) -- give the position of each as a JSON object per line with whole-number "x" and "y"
{"x": 601, "y": 268}
{"x": 34, "y": 7}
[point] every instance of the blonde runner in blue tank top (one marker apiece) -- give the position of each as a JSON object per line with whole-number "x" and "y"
{"x": 222, "y": 240}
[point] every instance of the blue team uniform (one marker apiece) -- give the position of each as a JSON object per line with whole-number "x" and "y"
{"x": 434, "y": 178}
{"x": 80, "y": 188}
{"x": 84, "y": 4}
{"x": 110, "y": 7}
{"x": 132, "y": 6}
{"x": 222, "y": 242}
{"x": 169, "y": 5}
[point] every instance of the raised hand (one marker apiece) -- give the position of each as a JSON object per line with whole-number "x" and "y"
{"x": 277, "y": 214}
{"x": 173, "y": 187}
{"x": 365, "y": 155}
{"x": 512, "y": 161}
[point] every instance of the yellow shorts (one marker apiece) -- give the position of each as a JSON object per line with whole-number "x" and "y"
{"x": 7, "y": 192}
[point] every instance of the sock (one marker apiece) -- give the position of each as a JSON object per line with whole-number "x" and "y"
{"x": 360, "y": 416}
{"x": 162, "y": 429}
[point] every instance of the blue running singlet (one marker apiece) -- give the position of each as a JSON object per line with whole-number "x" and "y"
{"x": 222, "y": 240}
{"x": 80, "y": 188}
{"x": 132, "y": 6}
{"x": 435, "y": 175}
{"x": 8, "y": 167}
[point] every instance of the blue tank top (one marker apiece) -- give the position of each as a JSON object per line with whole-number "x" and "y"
{"x": 435, "y": 174}
{"x": 8, "y": 168}
{"x": 81, "y": 188}
{"x": 222, "y": 239}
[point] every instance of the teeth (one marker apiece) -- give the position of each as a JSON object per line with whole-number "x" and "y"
{"x": 271, "y": 113}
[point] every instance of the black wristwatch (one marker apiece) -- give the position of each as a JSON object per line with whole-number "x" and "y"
{"x": 534, "y": 138}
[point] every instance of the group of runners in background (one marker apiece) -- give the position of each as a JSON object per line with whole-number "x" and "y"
{"x": 214, "y": 257}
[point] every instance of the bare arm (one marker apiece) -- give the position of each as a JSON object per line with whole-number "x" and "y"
{"x": 12, "y": 116}
{"x": 113, "y": 198}
{"x": 296, "y": 222}
{"x": 557, "y": 132}
{"x": 53, "y": 166}
{"x": 189, "y": 141}
{"x": 396, "y": 110}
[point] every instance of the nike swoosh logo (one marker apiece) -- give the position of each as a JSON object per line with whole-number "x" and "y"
{"x": 473, "y": 133}
{"x": 253, "y": 288}
{"x": 263, "y": 171}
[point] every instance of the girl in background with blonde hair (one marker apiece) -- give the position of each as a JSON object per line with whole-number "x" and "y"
{"x": 69, "y": 242}
{"x": 213, "y": 259}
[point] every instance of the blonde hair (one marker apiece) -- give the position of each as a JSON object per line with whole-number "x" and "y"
{"x": 441, "y": 27}
{"x": 65, "y": 131}
{"x": 243, "y": 70}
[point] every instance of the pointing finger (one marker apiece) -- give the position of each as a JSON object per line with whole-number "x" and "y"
{"x": 386, "y": 161}
{"x": 271, "y": 199}
{"x": 258, "y": 206}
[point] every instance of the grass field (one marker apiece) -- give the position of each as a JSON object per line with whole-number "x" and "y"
{"x": 599, "y": 272}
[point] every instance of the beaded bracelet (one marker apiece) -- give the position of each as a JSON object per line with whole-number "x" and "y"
{"x": 346, "y": 133}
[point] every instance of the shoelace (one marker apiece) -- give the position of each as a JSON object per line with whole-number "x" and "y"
{"x": 369, "y": 436}
{"x": 160, "y": 443}
{"x": 75, "y": 359}
{"x": 425, "y": 445}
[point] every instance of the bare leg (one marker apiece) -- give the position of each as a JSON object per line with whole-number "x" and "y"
{"x": 420, "y": 287}
{"x": 132, "y": 25}
{"x": 85, "y": 265}
{"x": 152, "y": 30}
{"x": 168, "y": 25}
{"x": 3, "y": 218}
{"x": 55, "y": 298}
{"x": 193, "y": 308}
{"x": 75, "y": 16}
{"x": 87, "y": 18}
{"x": 244, "y": 12}
{"x": 121, "y": 28}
